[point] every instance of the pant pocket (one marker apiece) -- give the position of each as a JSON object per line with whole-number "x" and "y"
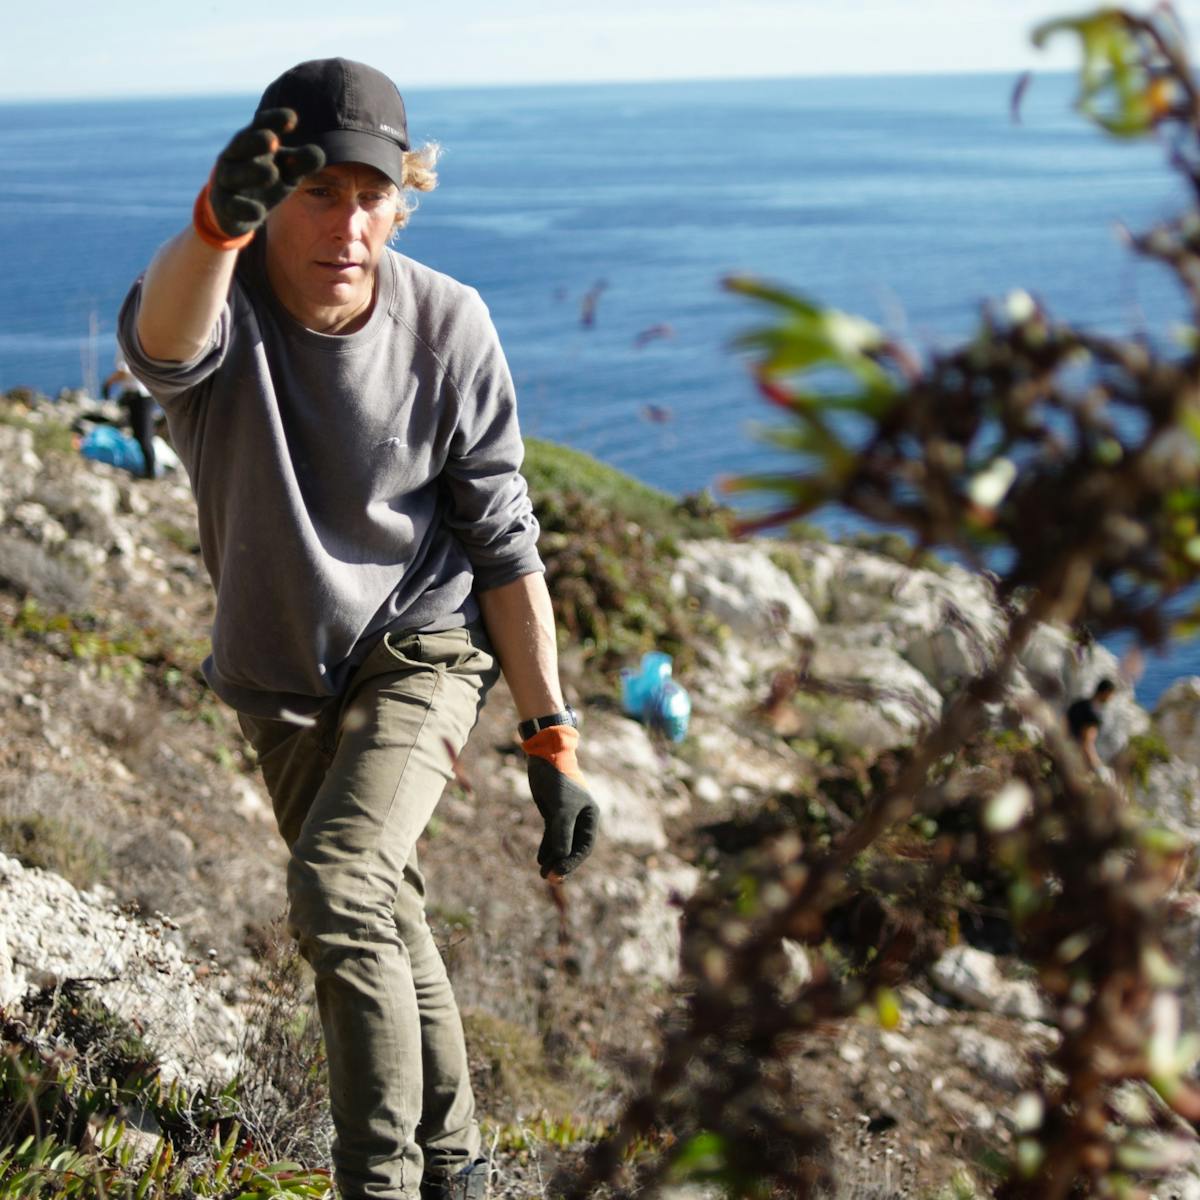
{"x": 466, "y": 649}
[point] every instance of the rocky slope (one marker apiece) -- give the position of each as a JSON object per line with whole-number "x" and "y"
{"x": 139, "y": 854}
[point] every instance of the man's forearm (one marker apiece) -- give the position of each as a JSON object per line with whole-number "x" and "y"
{"x": 183, "y": 293}
{"x": 520, "y": 623}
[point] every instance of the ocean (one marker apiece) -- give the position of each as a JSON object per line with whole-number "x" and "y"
{"x": 909, "y": 200}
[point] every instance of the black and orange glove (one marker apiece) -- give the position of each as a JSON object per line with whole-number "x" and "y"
{"x": 562, "y": 798}
{"x": 252, "y": 174}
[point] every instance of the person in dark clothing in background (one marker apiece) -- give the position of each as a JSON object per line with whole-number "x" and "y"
{"x": 142, "y": 408}
{"x": 1083, "y": 720}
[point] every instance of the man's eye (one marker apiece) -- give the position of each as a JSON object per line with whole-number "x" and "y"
{"x": 316, "y": 190}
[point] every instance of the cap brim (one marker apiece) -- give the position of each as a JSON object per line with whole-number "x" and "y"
{"x": 355, "y": 145}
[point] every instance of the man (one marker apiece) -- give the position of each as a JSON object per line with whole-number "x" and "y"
{"x": 1083, "y": 721}
{"x": 348, "y": 424}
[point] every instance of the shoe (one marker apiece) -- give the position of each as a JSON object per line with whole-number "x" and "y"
{"x": 471, "y": 1183}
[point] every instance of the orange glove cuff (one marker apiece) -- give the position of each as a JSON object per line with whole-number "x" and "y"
{"x": 557, "y": 746}
{"x": 205, "y": 223}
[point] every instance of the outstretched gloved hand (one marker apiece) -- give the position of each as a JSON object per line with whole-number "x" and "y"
{"x": 562, "y": 798}
{"x": 252, "y": 175}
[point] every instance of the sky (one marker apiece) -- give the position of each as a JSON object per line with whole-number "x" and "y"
{"x": 81, "y": 49}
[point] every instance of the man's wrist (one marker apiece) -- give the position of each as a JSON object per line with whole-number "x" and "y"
{"x": 534, "y": 725}
{"x": 204, "y": 221}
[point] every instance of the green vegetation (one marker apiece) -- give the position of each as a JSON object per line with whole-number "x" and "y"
{"x": 610, "y": 544}
{"x": 554, "y": 471}
{"x": 525, "y": 1137}
{"x": 49, "y": 436}
{"x": 515, "y": 1074}
{"x": 186, "y": 540}
{"x": 1141, "y": 753}
{"x": 117, "y": 649}
{"x": 55, "y": 845}
{"x": 74, "y": 1124}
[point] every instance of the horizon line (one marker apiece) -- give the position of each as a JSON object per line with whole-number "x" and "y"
{"x": 512, "y": 85}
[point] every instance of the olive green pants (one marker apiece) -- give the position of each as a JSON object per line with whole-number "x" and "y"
{"x": 352, "y": 794}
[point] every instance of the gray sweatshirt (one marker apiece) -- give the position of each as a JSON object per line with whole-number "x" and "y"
{"x": 346, "y": 485}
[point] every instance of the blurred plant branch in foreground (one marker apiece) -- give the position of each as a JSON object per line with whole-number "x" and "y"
{"x": 1067, "y": 464}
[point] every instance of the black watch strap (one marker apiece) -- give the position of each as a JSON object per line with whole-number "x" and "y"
{"x": 527, "y": 729}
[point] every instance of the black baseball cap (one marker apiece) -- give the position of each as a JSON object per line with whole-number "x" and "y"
{"x": 353, "y": 112}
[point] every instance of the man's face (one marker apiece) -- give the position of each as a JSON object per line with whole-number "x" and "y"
{"x": 324, "y": 242}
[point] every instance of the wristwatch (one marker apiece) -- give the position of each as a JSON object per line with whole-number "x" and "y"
{"x": 526, "y": 729}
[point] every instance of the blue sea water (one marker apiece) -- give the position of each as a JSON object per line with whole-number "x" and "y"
{"x": 908, "y": 200}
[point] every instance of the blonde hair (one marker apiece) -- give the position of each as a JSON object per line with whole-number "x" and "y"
{"x": 420, "y": 175}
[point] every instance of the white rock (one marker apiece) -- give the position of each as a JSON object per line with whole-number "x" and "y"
{"x": 1043, "y": 658}
{"x": 904, "y": 695}
{"x": 38, "y": 524}
{"x": 973, "y": 976}
{"x": 1181, "y": 940}
{"x": 620, "y": 743}
{"x": 1181, "y": 1186}
{"x": 899, "y": 1047}
{"x": 646, "y": 920}
{"x": 1177, "y": 716}
{"x": 50, "y": 933}
{"x": 84, "y": 552}
{"x": 765, "y": 764}
{"x": 765, "y": 614}
{"x": 968, "y": 1107}
{"x": 21, "y": 464}
{"x": 990, "y": 1057}
{"x": 946, "y": 625}
{"x": 800, "y": 972}
{"x": 873, "y": 699}
{"x": 739, "y": 584}
{"x": 100, "y": 494}
{"x": 916, "y": 1008}
{"x": 628, "y": 815}
{"x": 819, "y": 564}
{"x": 626, "y": 779}
{"x": 1120, "y": 719}
{"x": 1171, "y": 795}
{"x": 133, "y": 498}
{"x": 249, "y": 801}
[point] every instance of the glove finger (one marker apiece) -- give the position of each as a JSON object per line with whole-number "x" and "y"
{"x": 250, "y": 143}
{"x": 240, "y": 175}
{"x": 586, "y": 825}
{"x": 561, "y": 857}
{"x": 556, "y": 842}
{"x": 278, "y": 120}
{"x": 565, "y": 867}
{"x": 235, "y": 214}
{"x": 583, "y": 842}
{"x": 295, "y": 163}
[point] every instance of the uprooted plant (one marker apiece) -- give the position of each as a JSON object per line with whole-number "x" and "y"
{"x": 1068, "y": 465}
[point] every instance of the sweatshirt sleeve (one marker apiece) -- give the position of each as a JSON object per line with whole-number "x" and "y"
{"x": 168, "y": 380}
{"x": 489, "y": 508}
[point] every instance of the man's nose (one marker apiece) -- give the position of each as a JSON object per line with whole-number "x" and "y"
{"x": 349, "y": 219}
